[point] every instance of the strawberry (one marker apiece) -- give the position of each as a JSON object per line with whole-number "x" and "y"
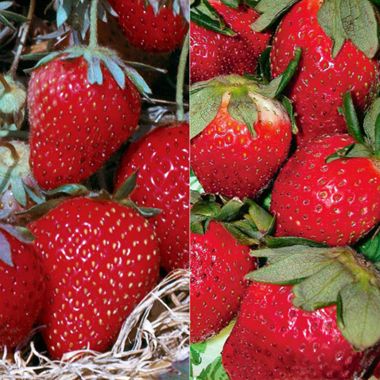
{"x": 240, "y": 137}
{"x": 161, "y": 159}
{"x": 218, "y": 266}
{"x": 272, "y": 339}
{"x": 332, "y": 63}
{"x": 334, "y": 203}
{"x": 100, "y": 258}
{"x": 223, "y": 52}
{"x": 74, "y": 126}
{"x": 21, "y": 287}
{"x": 155, "y": 30}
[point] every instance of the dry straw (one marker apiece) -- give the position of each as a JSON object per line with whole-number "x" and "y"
{"x": 154, "y": 336}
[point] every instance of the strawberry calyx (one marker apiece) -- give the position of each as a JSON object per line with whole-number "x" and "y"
{"x": 243, "y": 97}
{"x": 341, "y": 20}
{"x": 178, "y": 6}
{"x": 367, "y": 135}
{"x": 12, "y": 102}
{"x": 323, "y": 277}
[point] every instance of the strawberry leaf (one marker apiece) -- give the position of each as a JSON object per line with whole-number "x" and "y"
{"x": 370, "y": 124}
{"x": 214, "y": 370}
{"x": 288, "y": 105}
{"x": 73, "y": 190}
{"x": 287, "y": 241}
{"x": 270, "y": 11}
{"x": 231, "y": 3}
{"x": 126, "y": 188}
{"x": 245, "y": 232}
{"x": 244, "y": 111}
{"x": 353, "y": 124}
{"x": 5, "y": 251}
{"x": 350, "y": 151}
{"x": 262, "y": 219}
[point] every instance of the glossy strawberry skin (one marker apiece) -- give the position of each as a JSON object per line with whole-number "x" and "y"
{"x": 318, "y": 88}
{"x": 274, "y": 340}
{"x": 214, "y": 54}
{"x": 334, "y": 203}
{"x": 22, "y": 290}
{"x": 218, "y": 266}
{"x": 100, "y": 260}
{"x": 75, "y": 126}
{"x": 228, "y": 160}
{"x": 162, "y": 161}
{"x": 157, "y": 33}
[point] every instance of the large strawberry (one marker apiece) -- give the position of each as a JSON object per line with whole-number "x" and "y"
{"x": 161, "y": 160}
{"x": 230, "y": 46}
{"x": 272, "y": 339}
{"x": 240, "y": 135}
{"x": 218, "y": 266}
{"x": 100, "y": 258}
{"x": 336, "y": 57}
{"x": 154, "y": 26}
{"x": 22, "y": 288}
{"x": 332, "y": 198}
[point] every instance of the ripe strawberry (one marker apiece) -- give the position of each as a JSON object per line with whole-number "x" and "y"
{"x": 334, "y": 203}
{"x": 214, "y": 54}
{"x": 217, "y": 285}
{"x": 162, "y": 161}
{"x": 322, "y": 79}
{"x": 158, "y": 32}
{"x": 101, "y": 259}
{"x": 274, "y": 340}
{"x": 75, "y": 125}
{"x": 229, "y": 157}
{"x": 21, "y": 288}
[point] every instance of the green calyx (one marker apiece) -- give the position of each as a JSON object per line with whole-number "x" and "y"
{"x": 12, "y": 102}
{"x": 178, "y": 6}
{"x": 341, "y": 20}
{"x": 238, "y": 94}
{"x": 245, "y": 220}
{"x": 323, "y": 277}
{"x": 95, "y": 58}
{"x": 367, "y": 135}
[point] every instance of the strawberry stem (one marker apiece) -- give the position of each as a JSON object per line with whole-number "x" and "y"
{"x": 181, "y": 78}
{"x": 7, "y": 87}
{"x": 21, "y": 43}
{"x": 94, "y": 24}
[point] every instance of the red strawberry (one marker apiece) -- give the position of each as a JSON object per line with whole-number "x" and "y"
{"x": 162, "y": 161}
{"x": 274, "y": 340}
{"x": 227, "y": 156}
{"x": 101, "y": 259}
{"x": 21, "y": 289}
{"x": 75, "y": 125}
{"x": 158, "y": 32}
{"x": 217, "y": 285}
{"x": 334, "y": 203}
{"x": 322, "y": 80}
{"x": 214, "y": 54}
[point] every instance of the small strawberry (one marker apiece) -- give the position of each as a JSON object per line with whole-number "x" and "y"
{"x": 218, "y": 266}
{"x": 336, "y": 59}
{"x": 19, "y": 189}
{"x": 154, "y": 26}
{"x": 100, "y": 258}
{"x": 272, "y": 339}
{"x": 233, "y": 49}
{"x": 21, "y": 288}
{"x": 240, "y": 135}
{"x": 327, "y": 197}
{"x": 161, "y": 160}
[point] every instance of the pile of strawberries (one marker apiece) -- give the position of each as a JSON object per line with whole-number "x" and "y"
{"x": 77, "y": 260}
{"x": 285, "y": 141}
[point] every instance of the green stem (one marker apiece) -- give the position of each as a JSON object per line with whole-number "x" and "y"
{"x": 181, "y": 78}
{"x": 94, "y": 24}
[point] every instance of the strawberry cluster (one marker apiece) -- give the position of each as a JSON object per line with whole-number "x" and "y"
{"x": 285, "y": 146}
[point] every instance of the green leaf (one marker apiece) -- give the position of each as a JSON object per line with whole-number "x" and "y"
{"x": 230, "y": 210}
{"x": 321, "y": 289}
{"x": 288, "y": 105}
{"x": 63, "y": 11}
{"x": 73, "y": 190}
{"x": 244, "y": 110}
{"x": 126, "y": 188}
{"x": 18, "y": 190}
{"x": 358, "y": 317}
{"x": 264, "y": 65}
{"x": 137, "y": 80}
{"x": 244, "y": 232}
{"x": 370, "y": 124}
{"x": 22, "y": 234}
{"x": 350, "y": 151}
{"x": 206, "y": 208}
{"x": 5, "y": 250}
{"x": 279, "y": 242}
{"x": 262, "y": 218}
{"x": 94, "y": 73}
{"x": 352, "y": 121}
{"x": 330, "y": 20}
{"x": 270, "y": 11}
{"x": 14, "y": 16}
{"x": 204, "y": 106}
{"x": 214, "y": 370}
{"x": 360, "y": 25}
{"x": 370, "y": 248}
{"x": 231, "y": 3}
{"x": 115, "y": 70}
